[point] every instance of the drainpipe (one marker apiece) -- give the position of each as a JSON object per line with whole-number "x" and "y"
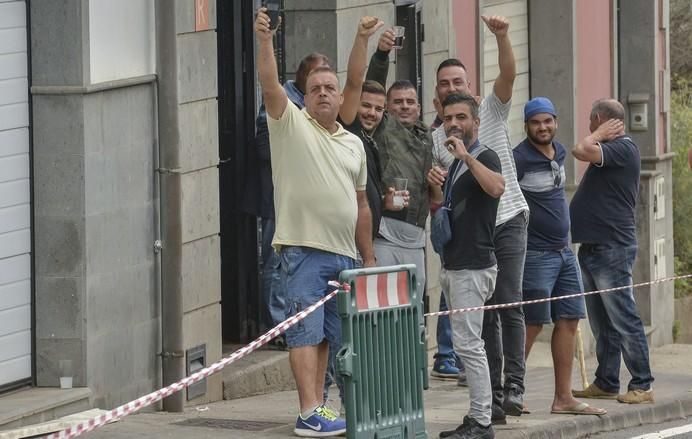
{"x": 172, "y": 363}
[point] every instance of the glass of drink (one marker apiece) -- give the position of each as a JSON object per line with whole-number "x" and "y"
{"x": 65, "y": 369}
{"x": 399, "y": 185}
{"x": 398, "y": 37}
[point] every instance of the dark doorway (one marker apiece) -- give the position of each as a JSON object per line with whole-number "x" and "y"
{"x": 409, "y": 60}
{"x": 240, "y": 297}
{"x": 242, "y": 307}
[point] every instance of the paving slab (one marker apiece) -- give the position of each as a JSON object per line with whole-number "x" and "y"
{"x": 272, "y": 415}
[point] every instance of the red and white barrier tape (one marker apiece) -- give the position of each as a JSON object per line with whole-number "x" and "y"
{"x": 552, "y": 299}
{"x": 144, "y": 401}
{"x": 147, "y": 400}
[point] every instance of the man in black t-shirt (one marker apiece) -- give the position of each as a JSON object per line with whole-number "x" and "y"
{"x": 603, "y": 221}
{"x": 472, "y": 190}
{"x": 365, "y": 122}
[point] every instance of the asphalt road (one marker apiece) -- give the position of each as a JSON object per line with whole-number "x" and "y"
{"x": 681, "y": 429}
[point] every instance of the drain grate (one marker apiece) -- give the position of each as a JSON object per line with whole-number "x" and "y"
{"x": 229, "y": 424}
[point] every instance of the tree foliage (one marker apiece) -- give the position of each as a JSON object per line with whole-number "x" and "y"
{"x": 681, "y": 38}
{"x": 681, "y": 142}
{"x": 681, "y": 137}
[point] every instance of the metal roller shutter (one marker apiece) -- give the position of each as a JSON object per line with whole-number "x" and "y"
{"x": 15, "y": 207}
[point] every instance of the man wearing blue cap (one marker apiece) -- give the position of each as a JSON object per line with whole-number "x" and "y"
{"x": 551, "y": 268}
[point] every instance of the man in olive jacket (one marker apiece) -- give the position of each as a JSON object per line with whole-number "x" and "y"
{"x": 405, "y": 152}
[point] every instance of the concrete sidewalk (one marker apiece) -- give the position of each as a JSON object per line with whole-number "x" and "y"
{"x": 273, "y": 415}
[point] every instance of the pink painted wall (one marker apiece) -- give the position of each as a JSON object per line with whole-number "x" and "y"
{"x": 465, "y": 23}
{"x": 594, "y": 67}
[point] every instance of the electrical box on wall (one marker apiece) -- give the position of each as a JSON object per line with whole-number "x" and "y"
{"x": 638, "y": 106}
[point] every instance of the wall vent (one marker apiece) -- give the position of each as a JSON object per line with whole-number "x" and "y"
{"x": 196, "y": 360}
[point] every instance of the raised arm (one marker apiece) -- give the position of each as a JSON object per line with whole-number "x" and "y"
{"x": 357, "y": 63}
{"x": 489, "y": 180}
{"x": 275, "y": 99}
{"x": 589, "y": 149}
{"x": 379, "y": 62}
{"x": 504, "y": 82}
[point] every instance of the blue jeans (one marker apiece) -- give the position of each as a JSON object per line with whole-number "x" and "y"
{"x": 614, "y": 319}
{"x": 273, "y": 297}
{"x": 552, "y": 273}
{"x": 305, "y": 273}
{"x": 445, "y": 349}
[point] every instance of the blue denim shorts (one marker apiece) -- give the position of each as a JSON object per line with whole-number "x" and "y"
{"x": 304, "y": 276}
{"x": 552, "y": 274}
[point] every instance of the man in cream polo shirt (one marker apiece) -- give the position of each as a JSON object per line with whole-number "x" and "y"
{"x": 322, "y": 215}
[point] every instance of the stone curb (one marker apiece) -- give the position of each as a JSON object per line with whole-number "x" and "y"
{"x": 582, "y": 426}
{"x": 271, "y": 373}
{"x": 249, "y": 377}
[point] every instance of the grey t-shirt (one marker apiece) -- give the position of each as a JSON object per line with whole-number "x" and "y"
{"x": 402, "y": 233}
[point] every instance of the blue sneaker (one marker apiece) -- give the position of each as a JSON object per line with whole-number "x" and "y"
{"x": 459, "y": 363}
{"x": 445, "y": 368}
{"x": 322, "y": 422}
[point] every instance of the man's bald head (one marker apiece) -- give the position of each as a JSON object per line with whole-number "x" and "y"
{"x": 604, "y": 110}
{"x": 608, "y": 109}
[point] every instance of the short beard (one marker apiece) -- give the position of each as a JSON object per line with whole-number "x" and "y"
{"x": 535, "y": 141}
{"x": 461, "y": 135}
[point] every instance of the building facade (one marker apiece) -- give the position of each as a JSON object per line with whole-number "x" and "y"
{"x": 127, "y": 246}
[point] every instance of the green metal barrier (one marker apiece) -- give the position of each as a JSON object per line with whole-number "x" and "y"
{"x": 383, "y": 359}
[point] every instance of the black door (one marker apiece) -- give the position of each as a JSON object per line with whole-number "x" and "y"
{"x": 240, "y": 297}
{"x": 409, "y": 60}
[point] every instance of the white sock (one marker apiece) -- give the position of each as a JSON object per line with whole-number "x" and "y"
{"x": 307, "y": 414}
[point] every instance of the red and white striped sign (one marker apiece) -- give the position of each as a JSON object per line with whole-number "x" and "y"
{"x": 382, "y": 290}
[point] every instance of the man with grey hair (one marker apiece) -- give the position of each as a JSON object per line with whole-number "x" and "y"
{"x": 322, "y": 216}
{"x": 603, "y": 222}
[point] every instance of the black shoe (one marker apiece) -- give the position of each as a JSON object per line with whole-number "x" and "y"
{"x": 497, "y": 416}
{"x": 471, "y": 429}
{"x": 448, "y": 433}
{"x": 513, "y": 404}
{"x": 464, "y": 425}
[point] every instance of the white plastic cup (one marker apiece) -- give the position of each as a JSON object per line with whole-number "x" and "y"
{"x": 399, "y": 185}
{"x": 65, "y": 382}
{"x": 398, "y": 37}
{"x": 65, "y": 369}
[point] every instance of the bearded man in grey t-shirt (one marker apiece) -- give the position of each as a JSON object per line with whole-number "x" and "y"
{"x": 511, "y": 224}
